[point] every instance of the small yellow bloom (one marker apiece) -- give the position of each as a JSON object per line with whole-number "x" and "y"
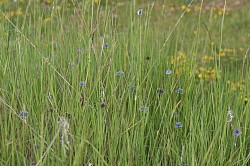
{"x": 48, "y": 1}
{"x": 207, "y": 76}
{"x": 46, "y": 20}
{"x": 196, "y": 8}
{"x": 199, "y": 75}
{"x": 3, "y": 1}
{"x": 183, "y": 7}
{"x": 234, "y": 87}
{"x": 212, "y": 75}
{"x": 202, "y": 69}
{"x": 172, "y": 60}
{"x": 181, "y": 55}
{"x": 222, "y": 53}
{"x": 188, "y": 10}
{"x": 19, "y": 11}
{"x": 245, "y": 99}
{"x": 212, "y": 71}
{"x": 241, "y": 87}
{"x": 206, "y": 58}
{"x": 9, "y": 14}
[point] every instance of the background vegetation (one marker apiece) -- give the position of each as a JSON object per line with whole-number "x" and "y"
{"x": 124, "y": 82}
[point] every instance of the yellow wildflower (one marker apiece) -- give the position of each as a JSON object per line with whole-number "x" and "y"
{"x": 212, "y": 75}
{"x": 172, "y": 60}
{"x": 222, "y": 53}
{"x": 202, "y": 69}
{"x": 48, "y": 1}
{"x": 46, "y": 20}
{"x": 212, "y": 71}
{"x": 3, "y": 1}
{"x": 245, "y": 100}
{"x": 9, "y": 14}
{"x": 183, "y": 7}
{"x": 206, "y": 58}
{"x": 196, "y": 7}
{"x": 19, "y": 11}
{"x": 207, "y": 76}
{"x": 234, "y": 87}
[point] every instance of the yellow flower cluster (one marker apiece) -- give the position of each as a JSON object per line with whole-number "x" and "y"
{"x": 245, "y": 98}
{"x": 240, "y": 85}
{"x": 3, "y": 2}
{"x": 196, "y": 8}
{"x": 219, "y": 10}
{"x": 48, "y": 1}
{"x": 18, "y": 12}
{"x": 227, "y": 51}
{"x": 206, "y": 73}
{"x": 179, "y": 62}
{"x": 180, "y": 59}
{"x": 206, "y": 58}
{"x": 183, "y": 7}
{"x": 226, "y": 54}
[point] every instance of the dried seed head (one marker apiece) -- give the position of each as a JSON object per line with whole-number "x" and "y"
{"x": 104, "y": 105}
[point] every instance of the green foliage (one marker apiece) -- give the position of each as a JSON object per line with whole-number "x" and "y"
{"x": 92, "y": 77}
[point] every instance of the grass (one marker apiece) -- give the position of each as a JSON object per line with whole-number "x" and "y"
{"x": 49, "y": 48}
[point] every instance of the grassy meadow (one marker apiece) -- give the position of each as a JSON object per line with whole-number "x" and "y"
{"x": 124, "y": 82}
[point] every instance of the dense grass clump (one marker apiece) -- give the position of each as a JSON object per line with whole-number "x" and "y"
{"x": 124, "y": 83}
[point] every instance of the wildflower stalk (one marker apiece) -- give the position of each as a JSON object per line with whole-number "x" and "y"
{"x": 48, "y": 148}
{"x": 63, "y": 128}
{"x": 230, "y": 115}
{"x": 182, "y": 155}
